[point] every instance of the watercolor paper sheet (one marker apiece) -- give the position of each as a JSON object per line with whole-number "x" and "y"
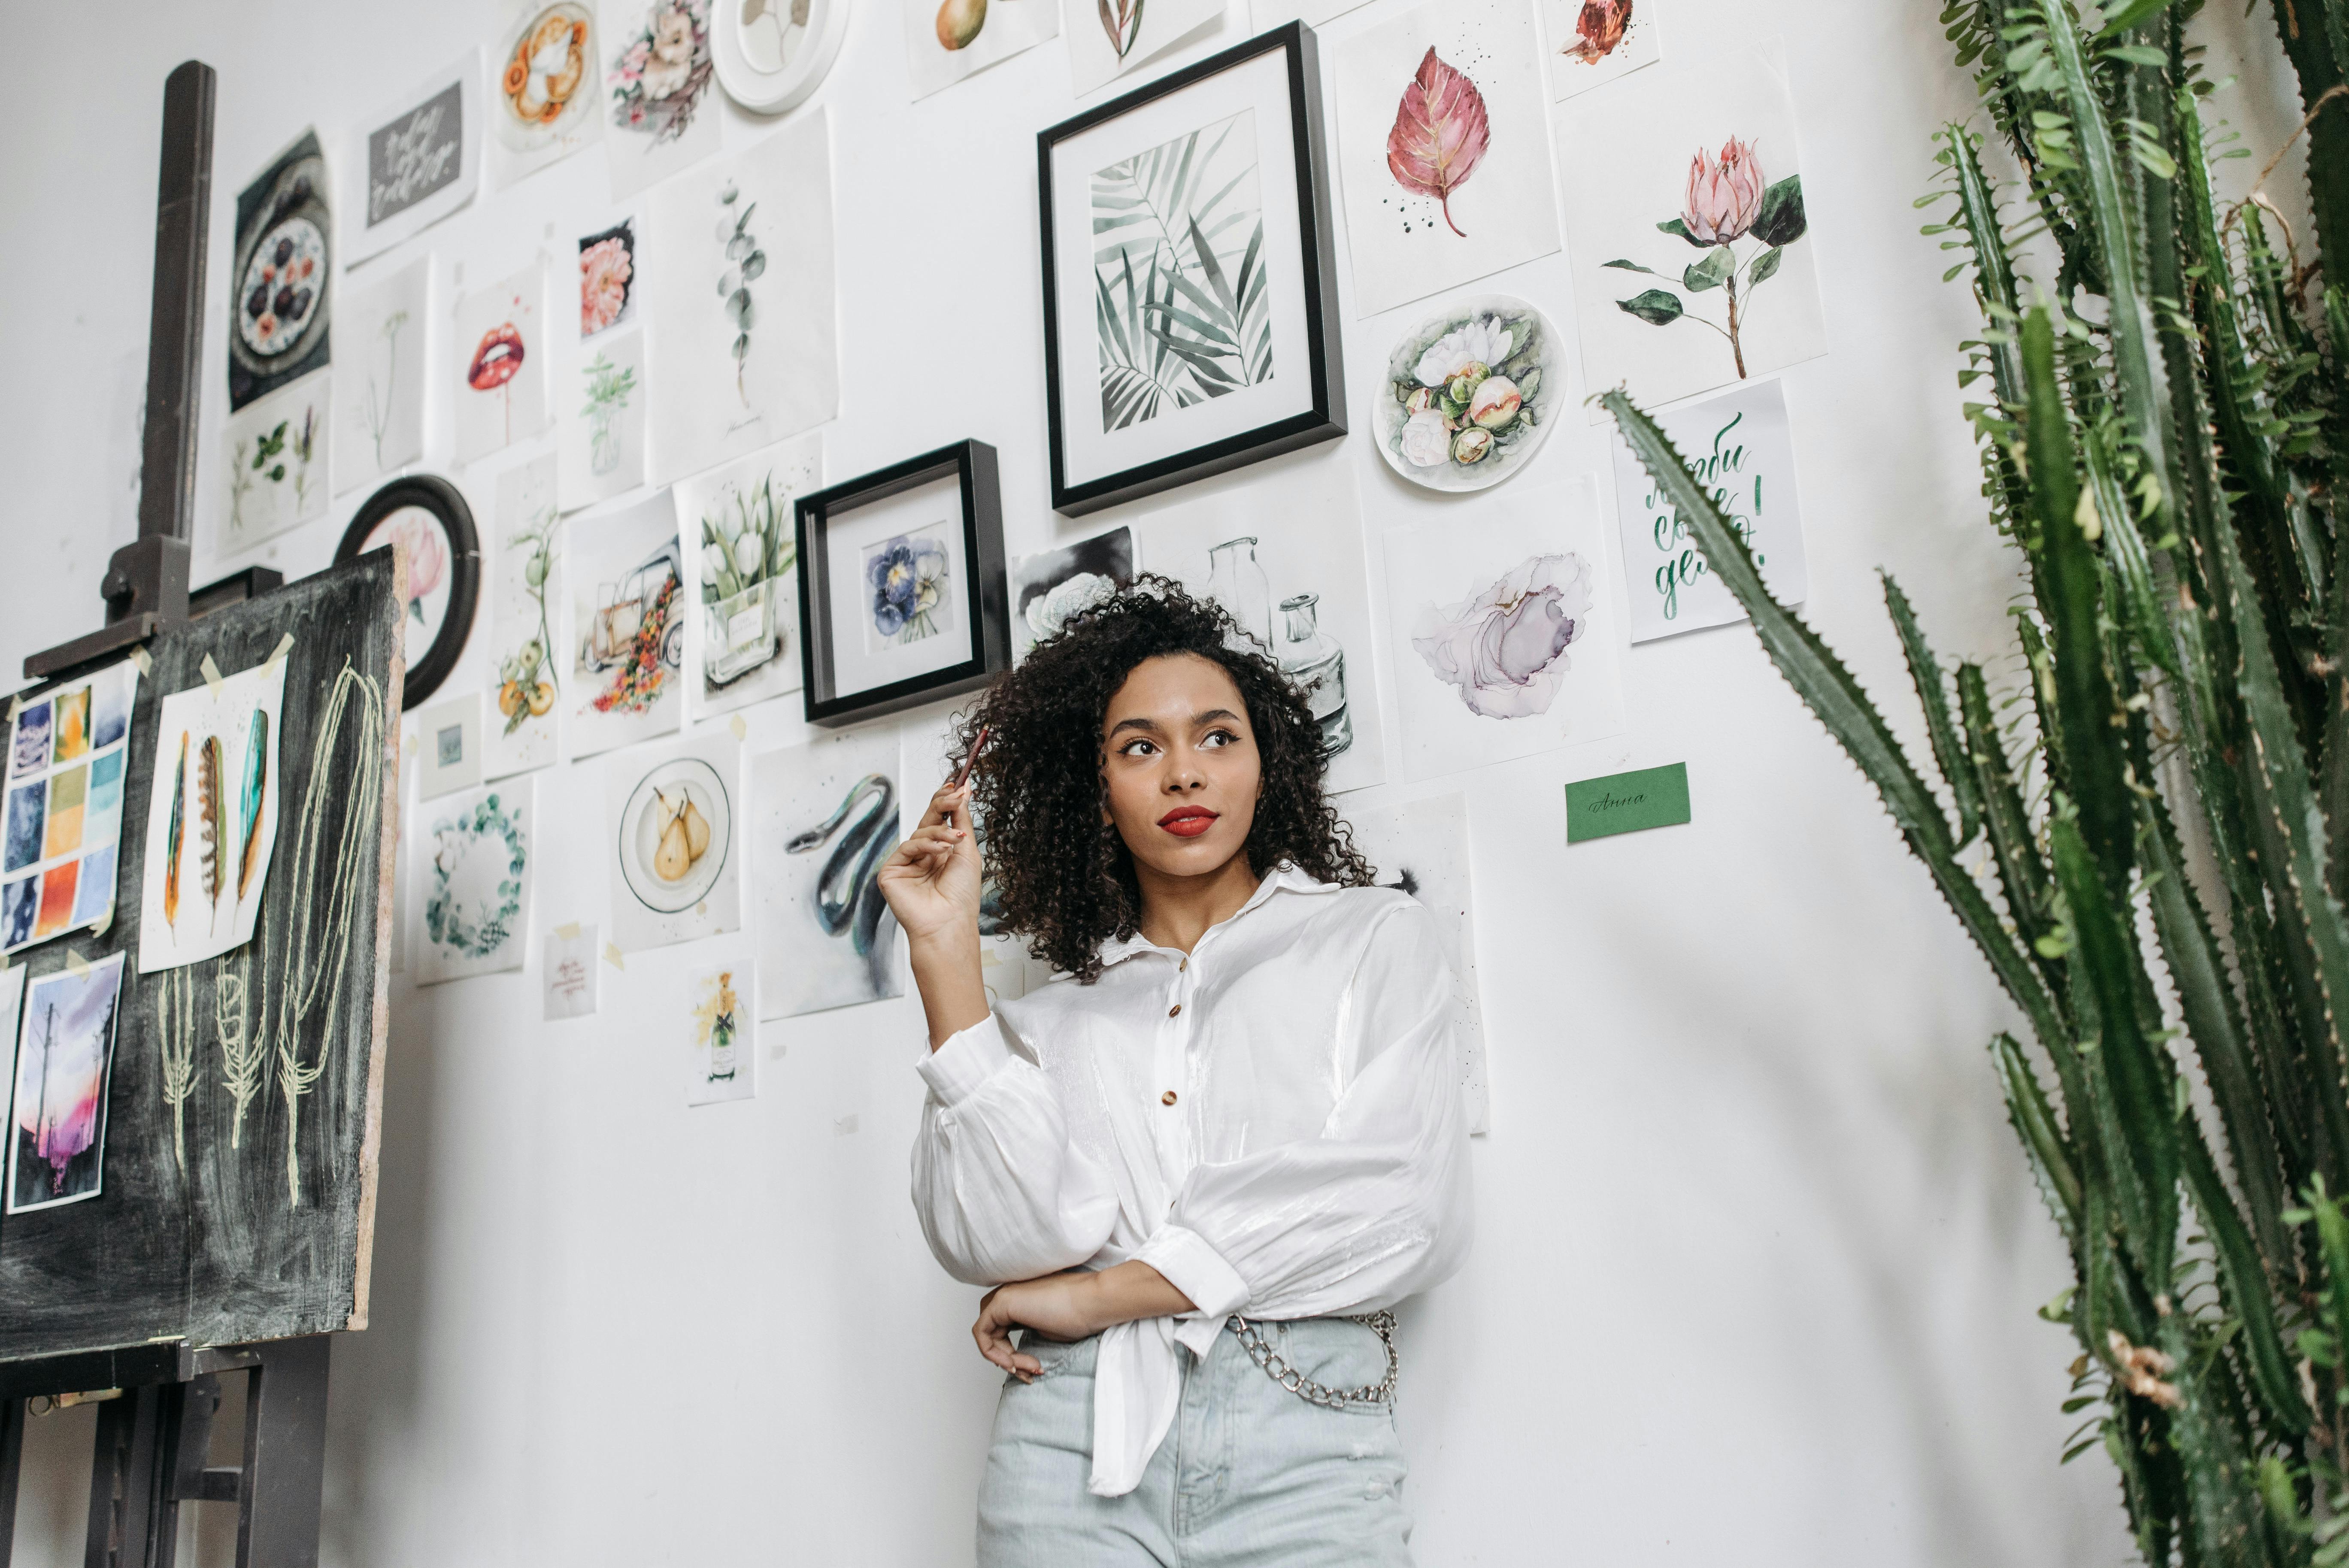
{"x": 1594, "y": 42}
{"x": 1284, "y": 554}
{"x": 64, "y": 1061}
{"x": 211, "y": 817}
{"x": 742, "y": 643}
{"x": 474, "y": 871}
{"x": 946, "y": 40}
{"x": 663, "y": 89}
{"x": 676, "y": 825}
{"x": 1050, "y": 586}
{"x": 419, "y": 158}
{"x": 379, "y": 406}
{"x": 281, "y": 275}
{"x": 823, "y": 819}
{"x": 608, "y": 279}
{"x": 1108, "y": 38}
{"x": 627, "y": 587}
{"x": 602, "y": 447}
{"x": 546, "y": 88}
{"x": 1688, "y": 201}
{"x": 1421, "y": 848}
{"x": 501, "y": 352}
{"x": 1153, "y": 206}
{"x": 1739, "y": 447}
{"x": 721, "y": 1035}
{"x": 275, "y": 450}
{"x": 1505, "y": 633}
{"x": 746, "y": 352}
{"x": 572, "y": 975}
{"x": 68, "y": 752}
{"x": 1266, "y": 15}
{"x": 1443, "y": 149}
{"x": 525, "y": 606}
{"x": 449, "y": 736}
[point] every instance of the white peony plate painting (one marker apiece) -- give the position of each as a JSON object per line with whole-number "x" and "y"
{"x": 1469, "y": 394}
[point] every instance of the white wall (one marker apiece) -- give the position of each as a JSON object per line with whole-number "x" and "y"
{"x": 1757, "y": 1257}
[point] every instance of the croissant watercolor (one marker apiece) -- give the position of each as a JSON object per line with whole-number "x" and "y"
{"x": 213, "y": 824}
{"x": 171, "y": 835}
{"x": 248, "y": 810}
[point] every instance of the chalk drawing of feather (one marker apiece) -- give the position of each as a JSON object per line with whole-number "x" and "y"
{"x": 173, "y": 834}
{"x": 214, "y": 822}
{"x": 248, "y": 806}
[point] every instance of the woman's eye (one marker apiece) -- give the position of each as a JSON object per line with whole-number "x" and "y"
{"x": 1138, "y": 749}
{"x": 1220, "y": 737}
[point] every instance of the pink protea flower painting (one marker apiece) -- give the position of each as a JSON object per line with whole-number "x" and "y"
{"x": 604, "y": 269}
{"x": 1724, "y": 193}
{"x": 1505, "y": 648}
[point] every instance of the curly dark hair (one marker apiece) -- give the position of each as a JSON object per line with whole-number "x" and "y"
{"x": 1063, "y": 880}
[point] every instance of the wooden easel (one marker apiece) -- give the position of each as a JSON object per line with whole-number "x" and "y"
{"x": 138, "y": 1326}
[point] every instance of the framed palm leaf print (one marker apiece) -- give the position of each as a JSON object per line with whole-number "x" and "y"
{"x": 1190, "y": 284}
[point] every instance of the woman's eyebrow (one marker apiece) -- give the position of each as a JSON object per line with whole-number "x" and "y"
{"x": 1150, "y": 724}
{"x": 1212, "y": 715}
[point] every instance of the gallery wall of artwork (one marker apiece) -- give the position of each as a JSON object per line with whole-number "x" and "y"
{"x": 530, "y": 287}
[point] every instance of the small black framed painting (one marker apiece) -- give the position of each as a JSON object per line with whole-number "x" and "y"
{"x": 429, "y": 515}
{"x": 902, "y": 596}
{"x": 1190, "y": 280}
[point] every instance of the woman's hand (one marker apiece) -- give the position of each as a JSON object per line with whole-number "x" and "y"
{"x": 931, "y": 881}
{"x": 1070, "y": 1305}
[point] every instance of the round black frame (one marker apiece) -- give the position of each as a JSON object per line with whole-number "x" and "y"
{"x": 447, "y": 504}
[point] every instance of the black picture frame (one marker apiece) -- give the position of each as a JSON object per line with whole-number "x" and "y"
{"x": 1325, "y": 418}
{"x": 437, "y": 496}
{"x": 986, "y": 622}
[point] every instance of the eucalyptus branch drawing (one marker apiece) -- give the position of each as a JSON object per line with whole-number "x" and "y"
{"x": 744, "y": 263}
{"x": 1729, "y": 199}
{"x": 1182, "y": 309}
{"x": 378, "y": 402}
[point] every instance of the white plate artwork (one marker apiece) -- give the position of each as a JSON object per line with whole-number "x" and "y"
{"x": 677, "y": 813}
{"x": 770, "y": 54}
{"x": 1469, "y": 394}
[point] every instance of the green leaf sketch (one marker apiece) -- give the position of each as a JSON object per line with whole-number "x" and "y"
{"x": 1181, "y": 306}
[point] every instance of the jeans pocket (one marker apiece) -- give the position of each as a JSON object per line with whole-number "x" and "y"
{"x": 1058, "y": 1357}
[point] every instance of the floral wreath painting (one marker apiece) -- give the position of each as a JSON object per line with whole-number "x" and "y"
{"x": 1182, "y": 308}
{"x": 1469, "y": 395}
{"x": 1729, "y": 201}
{"x": 607, "y": 273}
{"x": 477, "y": 886}
{"x": 906, "y": 579}
{"x": 661, "y": 78}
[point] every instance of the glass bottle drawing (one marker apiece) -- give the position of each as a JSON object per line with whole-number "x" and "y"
{"x": 1313, "y": 659}
{"x": 1238, "y": 583}
{"x": 603, "y": 437}
{"x": 740, "y": 632}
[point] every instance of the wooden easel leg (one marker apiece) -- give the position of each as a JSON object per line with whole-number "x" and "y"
{"x": 285, "y": 1456}
{"x": 131, "y": 1516}
{"x": 12, "y": 1456}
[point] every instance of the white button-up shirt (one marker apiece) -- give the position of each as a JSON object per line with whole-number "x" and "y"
{"x": 1274, "y": 1123}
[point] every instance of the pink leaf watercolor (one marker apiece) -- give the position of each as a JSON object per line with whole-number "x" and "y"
{"x": 1122, "y": 22}
{"x": 1440, "y": 133}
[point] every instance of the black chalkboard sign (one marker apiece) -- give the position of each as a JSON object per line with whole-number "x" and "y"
{"x": 197, "y": 1238}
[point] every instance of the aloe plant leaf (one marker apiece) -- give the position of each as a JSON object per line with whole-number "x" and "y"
{"x": 1831, "y": 694}
{"x": 2021, "y": 873}
{"x": 2243, "y": 1282}
{"x": 2042, "y": 1137}
{"x": 1948, "y": 753}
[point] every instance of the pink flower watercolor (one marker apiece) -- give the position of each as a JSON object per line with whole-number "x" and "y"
{"x": 1506, "y": 647}
{"x": 428, "y": 557}
{"x": 604, "y": 269}
{"x": 1724, "y": 195}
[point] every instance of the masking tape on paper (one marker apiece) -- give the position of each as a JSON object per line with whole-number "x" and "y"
{"x": 738, "y": 726}
{"x": 76, "y": 964}
{"x": 15, "y": 704}
{"x": 568, "y": 931}
{"x": 285, "y": 646}
{"x": 612, "y": 956}
{"x": 99, "y": 926}
{"x": 144, "y": 662}
{"x": 212, "y": 674}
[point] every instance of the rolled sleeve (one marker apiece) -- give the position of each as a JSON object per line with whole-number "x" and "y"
{"x": 958, "y": 1068}
{"x": 1194, "y": 1267}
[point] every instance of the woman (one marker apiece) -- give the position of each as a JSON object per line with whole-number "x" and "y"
{"x": 1217, "y": 1146}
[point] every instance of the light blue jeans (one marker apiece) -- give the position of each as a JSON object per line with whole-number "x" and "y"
{"x": 1250, "y": 1475}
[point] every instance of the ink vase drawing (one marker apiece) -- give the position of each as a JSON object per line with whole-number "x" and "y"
{"x": 1182, "y": 310}
{"x": 744, "y": 640}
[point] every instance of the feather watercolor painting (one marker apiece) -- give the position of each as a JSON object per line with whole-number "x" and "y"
{"x": 1443, "y": 149}
{"x": 64, "y": 1043}
{"x": 211, "y": 817}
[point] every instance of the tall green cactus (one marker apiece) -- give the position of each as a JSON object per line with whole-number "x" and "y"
{"x": 2166, "y": 439}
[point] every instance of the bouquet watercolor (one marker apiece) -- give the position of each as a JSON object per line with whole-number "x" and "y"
{"x": 1468, "y": 395}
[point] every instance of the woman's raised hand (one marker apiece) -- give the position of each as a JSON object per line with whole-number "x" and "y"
{"x": 933, "y": 878}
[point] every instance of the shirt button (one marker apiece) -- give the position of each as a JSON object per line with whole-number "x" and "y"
{"x": 1166, "y": 1098}
{"x": 1180, "y": 968}
{"x": 1175, "y": 1011}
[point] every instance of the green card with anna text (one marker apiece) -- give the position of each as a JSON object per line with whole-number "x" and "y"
{"x": 1627, "y": 803}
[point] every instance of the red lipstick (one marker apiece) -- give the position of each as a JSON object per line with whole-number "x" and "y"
{"x": 1188, "y": 822}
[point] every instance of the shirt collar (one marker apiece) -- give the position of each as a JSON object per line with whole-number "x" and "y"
{"x": 1283, "y": 878}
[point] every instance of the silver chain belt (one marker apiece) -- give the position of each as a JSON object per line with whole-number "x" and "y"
{"x": 1261, "y": 1352}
